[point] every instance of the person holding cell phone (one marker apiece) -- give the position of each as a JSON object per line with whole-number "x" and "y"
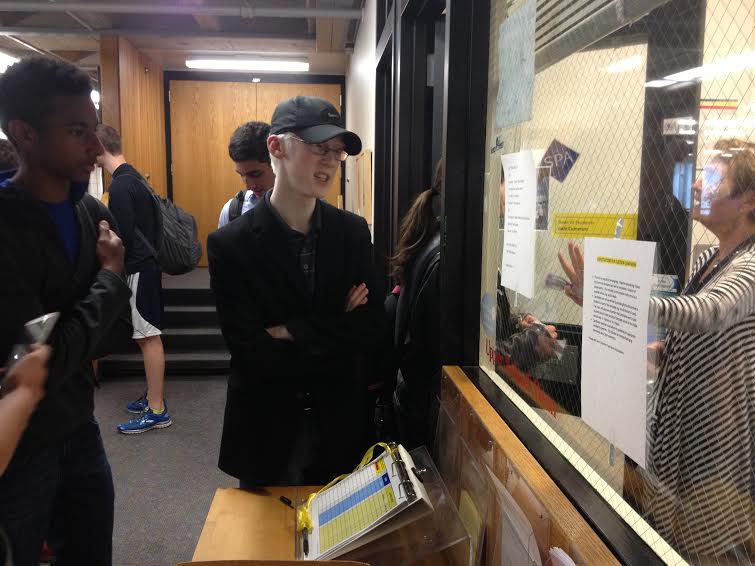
{"x": 60, "y": 253}
{"x": 21, "y": 390}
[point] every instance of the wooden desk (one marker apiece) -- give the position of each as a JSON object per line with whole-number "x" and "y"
{"x": 244, "y": 525}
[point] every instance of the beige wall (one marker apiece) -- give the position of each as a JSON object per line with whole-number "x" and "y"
{"x": 360, "y": 94}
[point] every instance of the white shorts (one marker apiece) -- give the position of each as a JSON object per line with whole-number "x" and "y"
{"x": 146, "y": 303}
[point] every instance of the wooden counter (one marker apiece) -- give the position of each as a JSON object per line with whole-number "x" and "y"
{"x": 244, "y": 525}
{"x": 481, "y": 428}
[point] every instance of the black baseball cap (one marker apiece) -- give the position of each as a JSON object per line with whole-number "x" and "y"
{"x": 314, "y": 120}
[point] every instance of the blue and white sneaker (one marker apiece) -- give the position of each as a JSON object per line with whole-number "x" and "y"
{"x": 147, "y": 421}
{"x": 139, "y": 406}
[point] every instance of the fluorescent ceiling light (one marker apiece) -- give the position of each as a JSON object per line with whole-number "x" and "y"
{"x": 628, "y": 64}
{"x": 248, "y": 65}
{"x": 722, "y": 67}
{"x": 6, "y": 61}
{"x": 658, "y": 83}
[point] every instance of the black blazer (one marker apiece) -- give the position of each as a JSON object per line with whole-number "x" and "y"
{"x": 277, "y": 388}
{"x": 38, "y": 277}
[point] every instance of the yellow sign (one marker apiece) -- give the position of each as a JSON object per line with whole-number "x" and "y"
{"x": 594, "y": 225}
{"x": 617, "y": 261}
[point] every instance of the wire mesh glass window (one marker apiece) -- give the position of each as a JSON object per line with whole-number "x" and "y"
{"x": 638, "y": 121}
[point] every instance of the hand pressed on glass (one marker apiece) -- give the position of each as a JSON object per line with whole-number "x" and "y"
{"x": 574, "y": 268}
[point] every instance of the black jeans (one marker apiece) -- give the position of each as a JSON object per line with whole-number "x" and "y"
{"x": 63, "y": 494}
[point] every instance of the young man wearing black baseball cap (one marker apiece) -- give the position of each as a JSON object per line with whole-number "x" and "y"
{"x": 299, "y": 305}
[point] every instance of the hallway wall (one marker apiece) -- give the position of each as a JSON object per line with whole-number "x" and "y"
{"x": 360, "y": 95}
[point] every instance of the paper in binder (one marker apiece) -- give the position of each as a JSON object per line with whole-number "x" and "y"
{"x": 380, "y": 497}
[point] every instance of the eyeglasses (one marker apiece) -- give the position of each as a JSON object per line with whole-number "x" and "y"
{"x": 321, "y": 149}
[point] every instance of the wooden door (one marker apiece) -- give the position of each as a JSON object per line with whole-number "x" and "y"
{"x": 270, "y": 94}
{"x": 203, "y": 115}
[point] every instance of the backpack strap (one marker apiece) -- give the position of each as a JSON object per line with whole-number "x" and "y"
{"x": 237, "y": 205}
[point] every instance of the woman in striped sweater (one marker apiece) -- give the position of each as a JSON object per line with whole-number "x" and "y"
{"x": 701, "y": 415}
{"x": 700, "y": 480}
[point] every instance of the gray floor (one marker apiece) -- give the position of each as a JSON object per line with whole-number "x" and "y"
{"x": 164, "y": 479}
{"x": 198, "y": 278}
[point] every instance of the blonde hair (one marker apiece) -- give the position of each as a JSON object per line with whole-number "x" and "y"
{"x": 739, "y": 157}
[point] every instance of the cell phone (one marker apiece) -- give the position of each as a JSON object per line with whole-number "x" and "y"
{"x": 555, "y": 282}
{"x": 36, "y": 331}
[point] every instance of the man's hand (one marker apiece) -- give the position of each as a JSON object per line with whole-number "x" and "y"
{"x": 528, "y": 320}
{"x": 30, "y": 373}
{"x": 546, "y": 342}
{"x": 280, "y": 332}
{"x": 574, "y": 268}
{"x": 356, "y": 297}
{"x": 546, "y": 335}
{"x": 110, "y": 250}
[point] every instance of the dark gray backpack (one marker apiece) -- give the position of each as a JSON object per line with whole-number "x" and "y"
{"x": 178, "y": 249}
{"x": 237, "y": 205}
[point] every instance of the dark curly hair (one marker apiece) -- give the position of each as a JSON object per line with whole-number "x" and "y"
{"x": 249, "y": 141}
{"x": 27, "y": 89}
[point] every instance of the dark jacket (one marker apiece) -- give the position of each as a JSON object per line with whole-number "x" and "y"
{"x": 277, "y": 389}
{"x": 132, "y": 205}
{"x": 38, "y": 278}
{"x": 417, "y": 343}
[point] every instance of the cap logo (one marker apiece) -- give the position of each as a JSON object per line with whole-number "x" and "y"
{"x": 328, "y": 116}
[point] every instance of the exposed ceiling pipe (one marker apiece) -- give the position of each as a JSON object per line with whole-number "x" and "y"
{"x": 231, "y": 10}
{"x": 36, "y": 49}
{"x": 79, "y": 21}
{"x": 29, "y": 46}
{"x": 78, "y": 32}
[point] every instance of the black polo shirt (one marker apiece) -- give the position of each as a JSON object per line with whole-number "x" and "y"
{"x": 303, "y": 246}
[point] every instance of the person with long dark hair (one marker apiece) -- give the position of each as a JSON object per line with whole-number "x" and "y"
{"x": 416, "y": 339}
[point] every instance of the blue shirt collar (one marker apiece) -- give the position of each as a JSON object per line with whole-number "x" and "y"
{"x": 78, "y": 190}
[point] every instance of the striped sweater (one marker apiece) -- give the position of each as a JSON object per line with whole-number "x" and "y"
{"x": 701, "y": 414}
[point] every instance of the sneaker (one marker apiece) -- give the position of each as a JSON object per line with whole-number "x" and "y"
{"x": 139, "y": 406}
{"x": 147, "y": 421}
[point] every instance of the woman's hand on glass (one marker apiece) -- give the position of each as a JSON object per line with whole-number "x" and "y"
{"x": 574, "y": 268}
